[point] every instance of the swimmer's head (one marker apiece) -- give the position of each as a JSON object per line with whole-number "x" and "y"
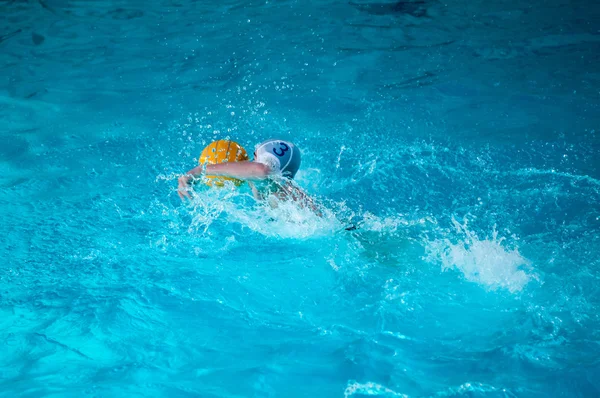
{"x": 282, "y": 153}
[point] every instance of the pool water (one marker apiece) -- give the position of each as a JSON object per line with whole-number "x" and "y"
{"x": 460, "y": 138}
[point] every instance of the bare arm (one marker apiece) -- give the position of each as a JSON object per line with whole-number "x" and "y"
{"x": 243, "y": 170}
{"x": 299, "y": 196}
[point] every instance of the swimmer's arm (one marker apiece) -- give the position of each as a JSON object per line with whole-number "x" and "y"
{"x": 311, "y": 204}
{"x": 299, "y": 196}
{"x": 255, "y": 191}
{"x": 242, "y": 170}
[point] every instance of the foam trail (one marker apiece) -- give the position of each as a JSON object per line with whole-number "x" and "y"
{"x": 370, "y": 388}
{"x": 486, "y": 262}
{"x": 473, "y": 388}
{"x": 536, "y": 172}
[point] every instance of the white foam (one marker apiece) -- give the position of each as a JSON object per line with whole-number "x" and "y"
{"x": 488, "y": 262}
{"x": 370, "y": 388}
{"x": 287, "y": 220}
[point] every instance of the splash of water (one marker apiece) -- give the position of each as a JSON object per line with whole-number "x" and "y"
{"x": 487, "y": 262}
{"x": 238, "y": 207}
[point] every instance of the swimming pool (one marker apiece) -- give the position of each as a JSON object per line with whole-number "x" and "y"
{"x": 460, "y": 137}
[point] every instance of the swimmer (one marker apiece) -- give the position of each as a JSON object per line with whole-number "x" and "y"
{"x": 270, "y": 175}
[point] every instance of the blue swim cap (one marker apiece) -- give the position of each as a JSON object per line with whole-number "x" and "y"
{"x": 285, "y": 152}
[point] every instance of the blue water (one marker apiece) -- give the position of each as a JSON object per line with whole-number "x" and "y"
{"x": 461, "y": 137}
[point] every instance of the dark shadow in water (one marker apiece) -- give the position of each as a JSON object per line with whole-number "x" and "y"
{"x": 123, "y": 14}
{"x": 404, "y": 47}
{"x": 9, "y": 35}
{"x": 37, "y": 39}
{"x": 46, "y": 6}
{"x": 414, "y": 8}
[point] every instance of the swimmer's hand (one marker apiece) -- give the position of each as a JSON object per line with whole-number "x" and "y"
{"x": 183, "y": 186}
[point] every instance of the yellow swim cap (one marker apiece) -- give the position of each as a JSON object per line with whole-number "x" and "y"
{"x": 222, "y": 151}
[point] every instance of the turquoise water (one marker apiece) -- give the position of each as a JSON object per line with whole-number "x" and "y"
{"x": 462, "y": 138}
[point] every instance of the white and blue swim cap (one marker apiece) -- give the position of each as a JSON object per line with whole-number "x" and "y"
{"x": 281, "y": 155}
